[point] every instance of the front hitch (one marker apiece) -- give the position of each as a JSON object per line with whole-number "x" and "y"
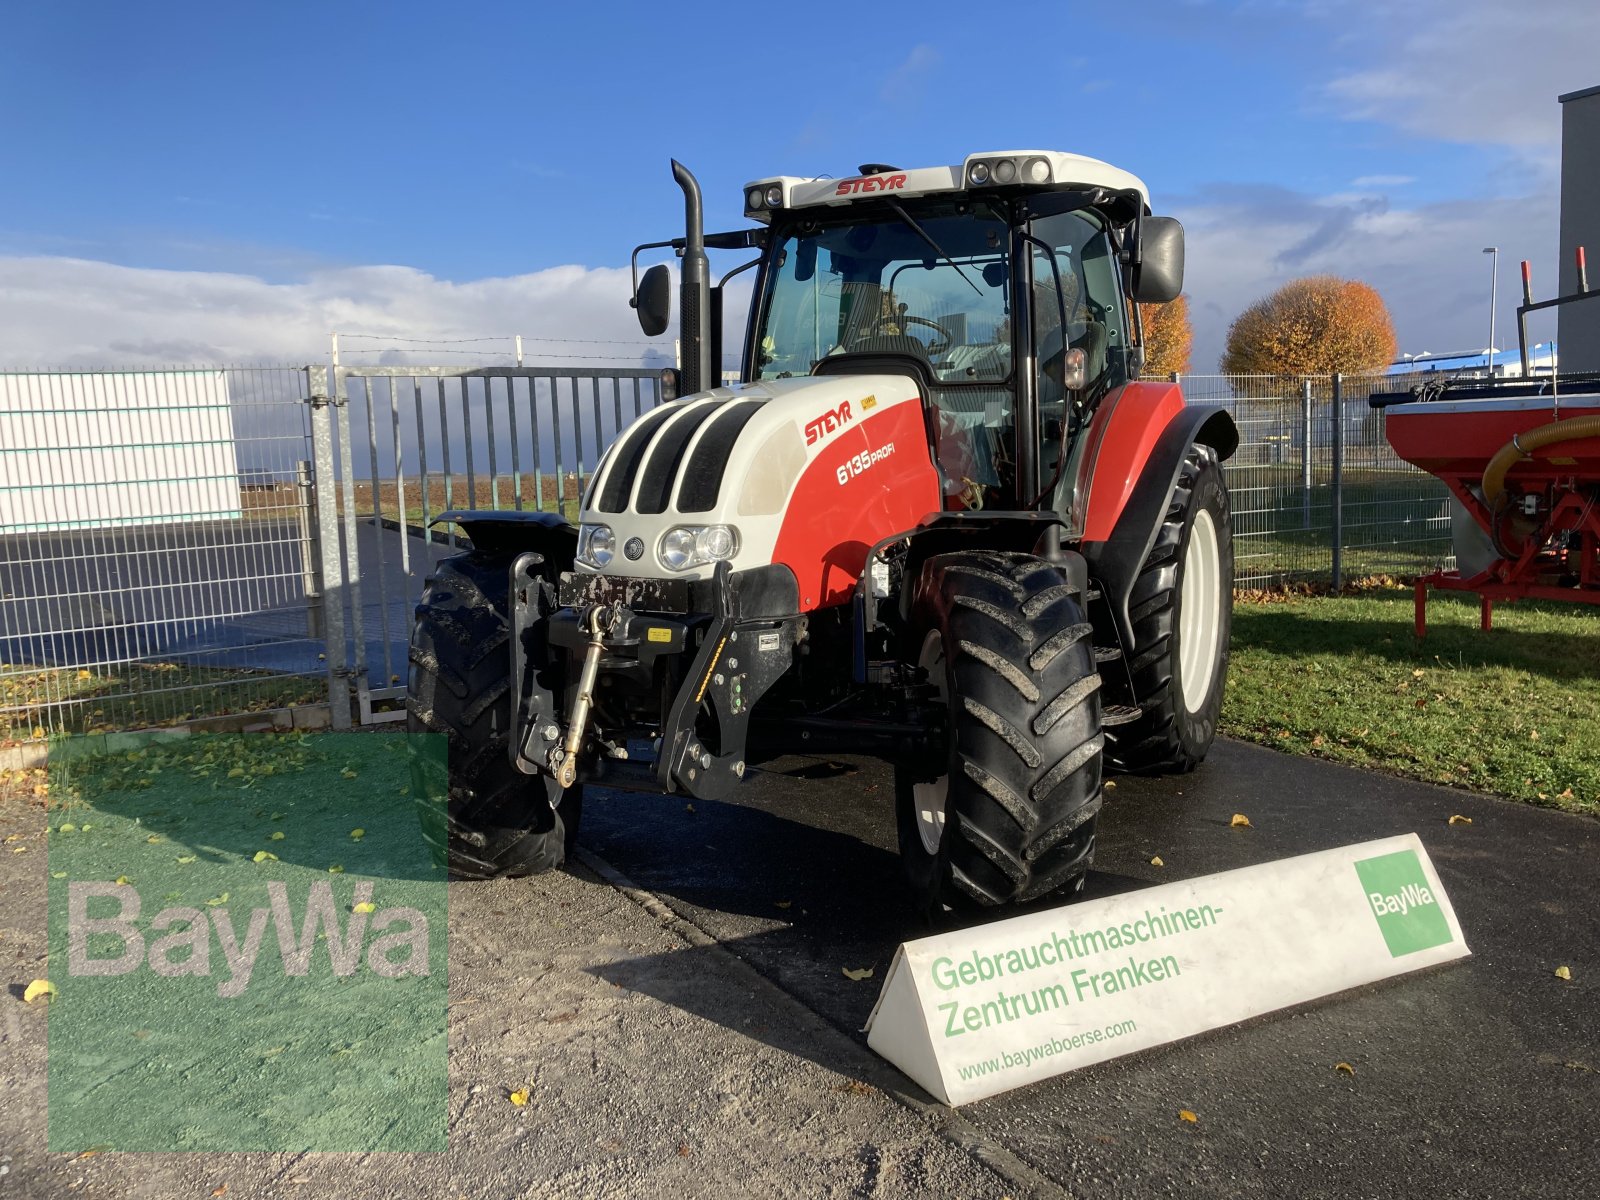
{"x": 600, "y": 621}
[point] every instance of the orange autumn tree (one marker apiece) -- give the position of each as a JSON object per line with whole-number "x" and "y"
{"x": 1168, "y": 336}
{"x": 1318, "y": 325}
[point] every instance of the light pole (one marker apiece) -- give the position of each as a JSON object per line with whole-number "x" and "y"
{"x": 1494, "y": 280}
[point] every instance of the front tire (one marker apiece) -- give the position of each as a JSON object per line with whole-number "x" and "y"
{"x": 1011, "y": 816}
{"x": 496, "y": 821}
{"x": 1182, "y": 614}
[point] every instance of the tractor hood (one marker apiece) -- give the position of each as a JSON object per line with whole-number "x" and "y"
{"x": 786, "y": 465}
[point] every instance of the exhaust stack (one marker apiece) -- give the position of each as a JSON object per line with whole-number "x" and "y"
{"x": 695, "y": 301}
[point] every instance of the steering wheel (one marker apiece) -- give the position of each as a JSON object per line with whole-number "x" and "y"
{"x": 941, "y": 343}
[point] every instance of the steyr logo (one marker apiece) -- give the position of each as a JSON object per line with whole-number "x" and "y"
{"x": 1403, "y": 904}
{"x": 870, "y": 183}
{"x": 827, "y": 423}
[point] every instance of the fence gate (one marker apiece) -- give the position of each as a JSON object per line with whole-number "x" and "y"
{"x": 396, "y": 446}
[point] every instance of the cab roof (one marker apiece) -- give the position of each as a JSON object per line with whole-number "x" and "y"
{"x": 999, "y": 171}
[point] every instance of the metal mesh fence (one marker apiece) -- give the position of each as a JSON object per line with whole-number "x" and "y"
{"x": 195, "y": 542}
{"x": 153, "y": 562}
{"x": 1318, "y": 494}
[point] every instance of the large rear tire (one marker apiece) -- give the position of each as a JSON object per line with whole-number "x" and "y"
{"x": 1012, "y": 815}
{"x": 1182, "y": 614}
{"x": 496, "y": 820}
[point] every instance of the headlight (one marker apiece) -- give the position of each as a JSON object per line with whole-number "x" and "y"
{"x": 753, "y": 199}
{"x": 686, "y": 546}
{"x": 1005, "y": 171}
{"x": 978, "y": 172}
{"x": 775, "y": 196}
{"x": 597, "y": 545}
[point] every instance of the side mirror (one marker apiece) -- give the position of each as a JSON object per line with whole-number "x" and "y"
{"x": 1158, "y": 279}
{"x": 654, "y": 301}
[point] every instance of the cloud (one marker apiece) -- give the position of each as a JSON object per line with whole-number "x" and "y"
{"x": 74, "y": 312}
{"x": 1382, "y": 181}
{"x": 1426, "y": 261}
{"x": 904, "y": 85}
{"x": 1480, "y": 72}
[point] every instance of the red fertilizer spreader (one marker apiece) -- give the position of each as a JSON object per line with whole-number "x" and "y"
{"x": 1522, "y": 459}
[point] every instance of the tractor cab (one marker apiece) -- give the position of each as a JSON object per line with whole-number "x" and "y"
{"x": 1001, "y": 285}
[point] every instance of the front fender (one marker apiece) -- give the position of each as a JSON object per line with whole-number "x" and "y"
{"x": 494, "y": 531}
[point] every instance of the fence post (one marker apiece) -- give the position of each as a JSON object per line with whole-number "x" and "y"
{"x": 310, "y": 551}
{"x": 1338, "y": 483}
{"x": 332, "y": 567}
{"x": 1305, "y": 454}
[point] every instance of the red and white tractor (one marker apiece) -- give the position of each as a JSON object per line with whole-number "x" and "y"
{"x": 940, "y": 520}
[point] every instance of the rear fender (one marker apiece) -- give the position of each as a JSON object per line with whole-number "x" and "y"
{"x": 496, "y": 532}
{"x": 1116, "y": 557}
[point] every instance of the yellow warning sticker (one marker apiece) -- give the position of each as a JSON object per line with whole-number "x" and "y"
{"x": 869, "y": 403}
{"x": 659, "y": 633}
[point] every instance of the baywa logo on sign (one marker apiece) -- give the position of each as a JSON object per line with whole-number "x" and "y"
{"x": 1407, "y": 911}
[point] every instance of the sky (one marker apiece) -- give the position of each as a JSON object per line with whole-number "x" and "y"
{"x": 203, "y": 182}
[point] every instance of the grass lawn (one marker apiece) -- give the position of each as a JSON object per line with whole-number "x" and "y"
{"x": 1514, "y": 711}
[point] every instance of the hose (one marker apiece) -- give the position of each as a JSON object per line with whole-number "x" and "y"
{"x": 1524, "y": 444}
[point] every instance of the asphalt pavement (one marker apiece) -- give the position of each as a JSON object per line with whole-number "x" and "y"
{"x": 1481, "y": 1078}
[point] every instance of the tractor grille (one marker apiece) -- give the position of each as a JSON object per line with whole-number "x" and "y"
{"x": 702, "y": 478}
{"x": 655, "y": 455}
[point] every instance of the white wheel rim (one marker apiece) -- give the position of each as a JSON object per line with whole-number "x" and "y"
{"x": 1200, "y": 618}
{"x": 929, "y": 798}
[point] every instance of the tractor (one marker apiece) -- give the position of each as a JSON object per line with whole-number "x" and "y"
{"x": 939, "y": 521}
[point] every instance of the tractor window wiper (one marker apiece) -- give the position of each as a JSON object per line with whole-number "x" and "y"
{"x": 894, "y": 207}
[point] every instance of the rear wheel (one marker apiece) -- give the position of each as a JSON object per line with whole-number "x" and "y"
{"x": 1182, "y": 613}
{"x": 1011, "y": 815}
{"x": 496, "y": 820}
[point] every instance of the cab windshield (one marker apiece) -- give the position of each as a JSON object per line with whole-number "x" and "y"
{"x": 878, "y": 286}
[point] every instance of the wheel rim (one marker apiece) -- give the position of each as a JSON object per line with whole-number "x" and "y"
{"x": 1199, "y": 623}
{"x": 928, "y": 799}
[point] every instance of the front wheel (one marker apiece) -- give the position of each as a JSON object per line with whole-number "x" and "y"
{"x": 1009, "y": 813}
{"x": 1182, "y": 614}
{"x": 496, "y": 821}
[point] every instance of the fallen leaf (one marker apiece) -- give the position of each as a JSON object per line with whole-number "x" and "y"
{"x": 358, "y": 834}
{"x": 688, "y": 808}
{"x": 93, "y": 1150}
{"x": 1533, "y": 735}
{"x": 277, "y": 836}
{"x": 519, "y": 1097}
{"x": 38, "y": 988}
{"x": 220, "y": 1190}
{"x": 1110, "y": 785}
{"x": 1566, "y": 795}
{"x": 265, "y": 856}
{"x": 336, "y": 869}
{"x": 236, "y": 773}
{"x": 1458, "y": 819}
{"x": 1156, "y": 862}
{"x": 1240, "y": 821}
{"x": 863, "y": 973}
{"x": 683, "y": 1149}
{"x": 348, "y": 773}
{"x": 782, "y": 903}
{"x": 19, "y": 849}
{"x": 123, "y": 881}
{"x": 153, "y": 838}
{"x": 1345, "y": 1067}
{"x": 1185, "y": 1115}
{"x": 366, "y": 907}
{"x": 216, "y": 900}
{"x": 1564, "y": 972}
{"x": 58, "y": 874}
{"x": 186, "y": 858}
